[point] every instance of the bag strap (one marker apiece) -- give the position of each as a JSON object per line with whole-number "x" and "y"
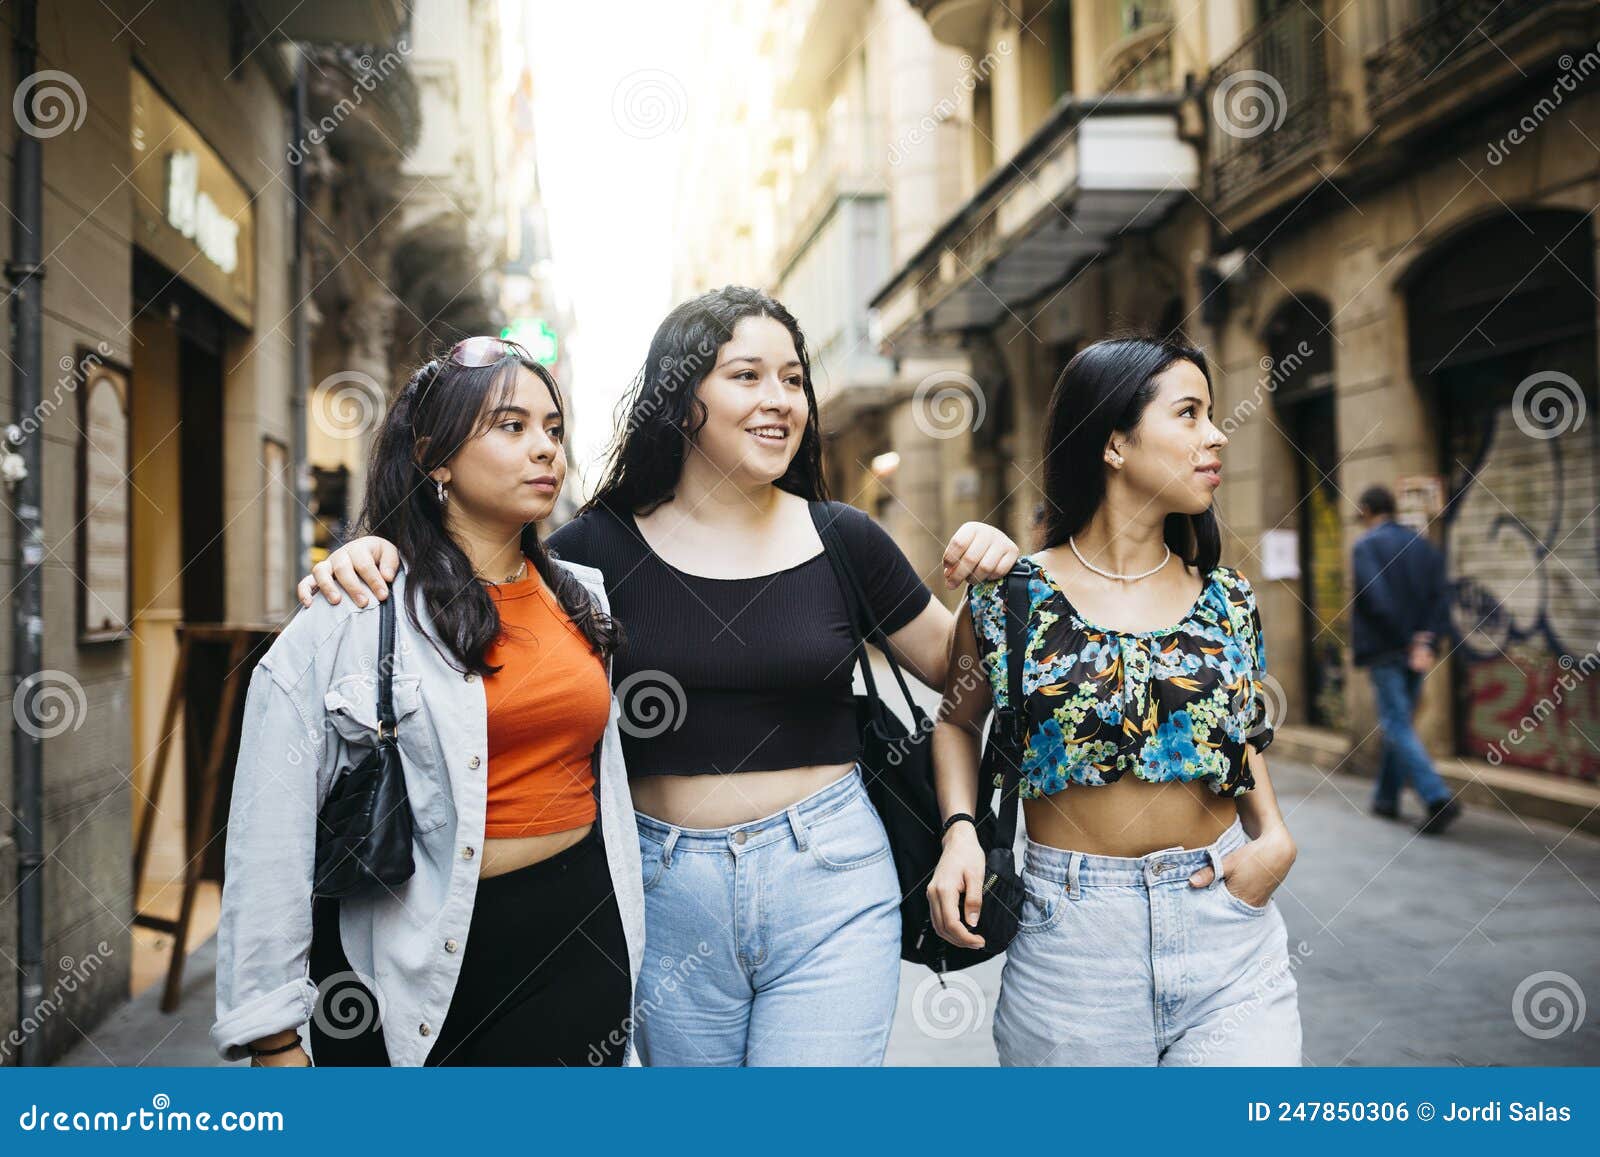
{"x": 386, "y": 720}
{"x": 1011, "y": 721}
{"x": 859, "y": 609}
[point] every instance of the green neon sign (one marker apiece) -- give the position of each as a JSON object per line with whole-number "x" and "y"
{"x": 535, "y": 335}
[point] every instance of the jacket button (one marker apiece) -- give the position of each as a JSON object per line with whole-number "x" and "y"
{"x": 424, "y": 1029}
{"x": 470, "y": 676}
{"x": 467, "y": 853}
{"x": 449, "y": 945}
{"x": 474, "y": 762}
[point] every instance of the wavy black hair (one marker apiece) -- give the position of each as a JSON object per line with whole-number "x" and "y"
{"x": 1104, "y": 390}
{"x": 660, "y": 413}
{"x": 443, "y": 406}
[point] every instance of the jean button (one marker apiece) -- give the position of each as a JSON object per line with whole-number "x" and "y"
{"x": 740, "y": 837}
{"x": 1158, "y": 867}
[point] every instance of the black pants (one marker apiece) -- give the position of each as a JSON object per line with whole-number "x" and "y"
{"x": 544, "y": 976}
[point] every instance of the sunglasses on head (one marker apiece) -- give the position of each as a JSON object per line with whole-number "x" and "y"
{"x": 485, "y": 350}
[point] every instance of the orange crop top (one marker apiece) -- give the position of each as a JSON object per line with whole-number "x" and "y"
{"x": 548, "y": 707}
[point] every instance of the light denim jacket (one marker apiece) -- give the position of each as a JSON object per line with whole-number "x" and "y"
{"x": 312, "y": 707}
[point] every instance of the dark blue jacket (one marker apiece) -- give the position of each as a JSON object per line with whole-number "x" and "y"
{"x": 1401, "y": 588}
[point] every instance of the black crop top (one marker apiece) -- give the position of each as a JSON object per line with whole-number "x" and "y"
{"x": 743, "y": 674}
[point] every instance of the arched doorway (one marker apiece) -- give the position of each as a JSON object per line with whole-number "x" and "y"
{"x": 1502, "y": 332}
{"x": 1300, "y": 344}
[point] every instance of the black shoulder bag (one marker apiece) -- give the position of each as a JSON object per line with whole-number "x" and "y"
{"x": 897, "y": 766}
{"x": 364, "y": 827}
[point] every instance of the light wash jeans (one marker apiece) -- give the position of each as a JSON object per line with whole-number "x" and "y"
{"x": 774, "y": 942}
{"x": 1120, "y": 961}
{"x": 1405, "y": 760}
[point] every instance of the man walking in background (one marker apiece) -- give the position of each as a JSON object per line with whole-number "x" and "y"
{"x": 1401, "y": 616}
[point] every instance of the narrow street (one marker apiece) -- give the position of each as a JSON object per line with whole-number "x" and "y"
{"x": 1414, "y": 950}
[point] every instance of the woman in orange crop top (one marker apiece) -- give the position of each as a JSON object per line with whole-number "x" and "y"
{"x": 513, "y": 943}
{"x": 1154, "y": 842}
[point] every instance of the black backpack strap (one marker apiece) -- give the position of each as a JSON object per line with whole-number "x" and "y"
{"x": 1012, "y": 731}
{"x": 386, "y": 720}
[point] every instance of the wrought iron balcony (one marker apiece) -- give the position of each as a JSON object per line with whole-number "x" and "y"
{"x": 1464, "y": 50}
{"x": 1273, "y": 111}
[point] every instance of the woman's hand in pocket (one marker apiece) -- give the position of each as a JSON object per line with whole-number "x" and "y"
{"x": 1252, "y": 873}
{"x": 957, "y": 886}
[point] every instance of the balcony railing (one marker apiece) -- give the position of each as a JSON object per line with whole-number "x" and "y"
{"x": 1271, "y": 102}
{"x": 836, "y": 168}
{"x": 1138, "y": 38}
{"x": 1455, "y": 30}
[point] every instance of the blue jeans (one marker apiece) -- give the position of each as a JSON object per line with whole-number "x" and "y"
{"x": 1119, "y": 960}
{"x": 1397, "y": 688}
{"x": 774, "y": 942}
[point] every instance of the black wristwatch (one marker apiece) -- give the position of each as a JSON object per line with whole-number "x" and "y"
{"x": 955, "y": 819}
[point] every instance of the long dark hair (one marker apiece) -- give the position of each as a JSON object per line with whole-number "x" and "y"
{"x": 660, "y": 413}
{"x": 441, "y": 407}
{"x": 1104, "y": 390}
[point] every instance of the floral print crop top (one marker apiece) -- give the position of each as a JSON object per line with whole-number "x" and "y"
{"x": 1178, "y": 702}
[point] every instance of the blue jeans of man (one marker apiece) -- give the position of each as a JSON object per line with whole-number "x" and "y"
{"x": 1405, "y": 760}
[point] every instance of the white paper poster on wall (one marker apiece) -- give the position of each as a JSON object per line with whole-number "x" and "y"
{"x": 1280, "y": 554}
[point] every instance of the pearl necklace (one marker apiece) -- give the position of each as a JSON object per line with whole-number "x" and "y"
{"x": 1123, "y": 577}
{"x": 510, "y": 578}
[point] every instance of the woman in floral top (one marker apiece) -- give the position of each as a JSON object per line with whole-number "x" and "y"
{"x": 1149, "y": 935}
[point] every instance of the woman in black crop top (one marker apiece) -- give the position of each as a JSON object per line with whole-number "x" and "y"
{"x": 770, "y": 897}
{"x": 1154, "y": 841}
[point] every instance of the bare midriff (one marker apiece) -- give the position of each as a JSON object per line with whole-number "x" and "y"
{"x": 1130, "y": 817}
{"x": 726, "y": 799}
{"x": 507, "y": 855}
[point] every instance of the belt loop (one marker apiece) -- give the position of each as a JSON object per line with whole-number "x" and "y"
{"x": 1216, "y": 863}
{"x": 1073, "y": 861}
{"x": 666, "y": 848}
{"x": 798, "y": 826}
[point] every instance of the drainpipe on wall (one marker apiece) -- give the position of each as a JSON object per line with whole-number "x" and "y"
{"x": 300, "y": 335}
{"x": 26, "y": 276}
